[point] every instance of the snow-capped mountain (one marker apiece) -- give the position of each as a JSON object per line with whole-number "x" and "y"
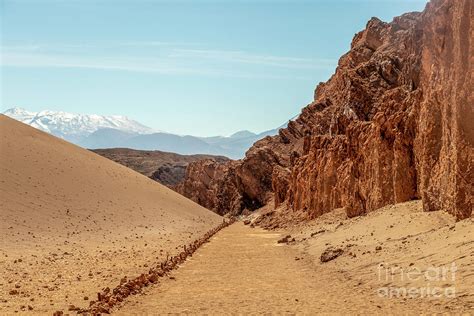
{"x": 75, "y": 127}
{"x": 98, "y": 131}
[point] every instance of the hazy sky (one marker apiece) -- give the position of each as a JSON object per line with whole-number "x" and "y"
{"x": 188, "y": 67}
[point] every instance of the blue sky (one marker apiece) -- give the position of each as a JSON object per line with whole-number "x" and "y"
{"x": 189, "y": 67}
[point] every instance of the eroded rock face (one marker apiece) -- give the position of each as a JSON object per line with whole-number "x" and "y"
{"x": 446, "y": 117}
{"x": 203, "y": 184}
{"x": 394, "y": 123}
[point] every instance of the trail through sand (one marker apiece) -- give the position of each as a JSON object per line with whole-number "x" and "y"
{"x": 244, "y": 270}
{"x": 241, "y": 269}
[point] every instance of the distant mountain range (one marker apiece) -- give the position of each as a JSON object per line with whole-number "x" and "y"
{"x": 75, "y": 127}
{"x": 98, "y": 131}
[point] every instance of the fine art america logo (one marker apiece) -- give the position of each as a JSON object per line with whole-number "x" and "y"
{"x": 431, "y": 282}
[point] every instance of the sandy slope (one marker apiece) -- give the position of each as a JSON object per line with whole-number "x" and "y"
{"x": 73, "y": 222}
{"x": 396, "y": 248}
{"x": 245, "y": 271}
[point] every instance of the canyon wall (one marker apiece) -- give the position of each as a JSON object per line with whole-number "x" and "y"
{"x": 394, "y": 123}
{"x": 446, "y": 116}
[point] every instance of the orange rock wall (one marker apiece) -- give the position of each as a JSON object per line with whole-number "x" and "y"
{"x": 394, "y": 123}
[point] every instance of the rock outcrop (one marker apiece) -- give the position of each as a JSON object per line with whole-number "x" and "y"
{"x": 166, "y": 168}
{"x": 394, "y": 123}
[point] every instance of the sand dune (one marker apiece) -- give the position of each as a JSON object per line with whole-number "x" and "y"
{"x": 73, "y": 222}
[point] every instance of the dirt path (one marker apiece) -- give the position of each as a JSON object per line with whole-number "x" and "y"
{"x": 243, "y": 270}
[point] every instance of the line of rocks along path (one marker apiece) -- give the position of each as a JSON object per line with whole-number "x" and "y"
{"x": 245, "y": 271}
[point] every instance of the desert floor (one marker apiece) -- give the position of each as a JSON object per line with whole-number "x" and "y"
{"x": 245, "y": 270}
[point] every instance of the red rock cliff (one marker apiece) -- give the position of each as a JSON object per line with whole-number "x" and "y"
{"x": 394, "y": 123}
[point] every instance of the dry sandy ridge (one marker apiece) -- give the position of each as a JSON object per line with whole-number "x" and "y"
{"x": 73, "y": 222}
{"x": 246, "y": 271}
